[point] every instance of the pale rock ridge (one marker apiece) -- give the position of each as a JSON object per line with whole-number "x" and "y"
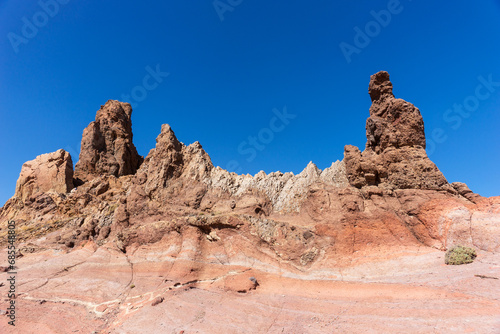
{"x": 286, "y": 191}
{"x": 171, "y": 165}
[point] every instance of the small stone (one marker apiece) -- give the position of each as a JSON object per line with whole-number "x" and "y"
{"x": 157, "y": 301}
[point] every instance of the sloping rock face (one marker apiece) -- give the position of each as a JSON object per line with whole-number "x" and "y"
{"x": 51, "y": 172}
{"x": 170, "y": 175}
{"x": 395, "y": 156}
{"x": 107, "y": 147}
{"x": 272, "y": 247}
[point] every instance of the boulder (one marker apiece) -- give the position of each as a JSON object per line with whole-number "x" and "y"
{"x": 48, "y": 172}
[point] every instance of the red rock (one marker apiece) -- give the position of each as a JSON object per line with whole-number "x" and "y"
{"x": 157, "y": 301}
{"x": 241, "y": 283}
{"x": 392, "y": 122}
{"x": 395, "y": 156}
{"x": 107, "y": 147}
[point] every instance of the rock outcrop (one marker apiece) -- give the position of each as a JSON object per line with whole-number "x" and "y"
{"x": 284, "y": 191}
{"x": 171, "y": 174}
{"x": 179, "y": 229}
{"x": 464, "y": 191}
{"x": 51, "y": 172}
{"x": 390, "y": 183}
{"x": 393, "y": 122}
{"x": 394, "y": 157}
{"x": 107, "y": 147}
{"x": 169, "y": 160}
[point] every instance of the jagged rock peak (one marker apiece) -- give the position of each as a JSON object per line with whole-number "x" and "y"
{"x": 107, "y": 147}
{"x": 311, "y": 170}
{"x": 167, "y": 138}
{"x": 47, "y": 172}
{"x": 163, "y": 163}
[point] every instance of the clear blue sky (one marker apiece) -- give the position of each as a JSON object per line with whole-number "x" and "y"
{"x": 227, "y": 75}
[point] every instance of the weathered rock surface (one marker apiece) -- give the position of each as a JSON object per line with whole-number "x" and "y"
{"x": 356, "y": 247}
{"x": 394, "y": 156}
{"x": 107, "y": 147}
{"x": 51, "y": 172}
{"x": 392, "y": 122}
{"x": 284, "y": 191}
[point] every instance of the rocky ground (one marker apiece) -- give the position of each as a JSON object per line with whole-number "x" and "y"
{"x": 170, "y": 243}
{"x": 160, "y": 289}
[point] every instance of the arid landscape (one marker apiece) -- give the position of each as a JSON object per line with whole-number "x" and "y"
{"x": 170, "y": 243}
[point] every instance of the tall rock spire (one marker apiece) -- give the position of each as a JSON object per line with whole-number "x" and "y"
{"x": 395, "y": 154}
{"x": 392, "y": 122}
{"x": 107, "y": 147}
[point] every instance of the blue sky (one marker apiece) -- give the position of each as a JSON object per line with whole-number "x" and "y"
{"x": 230, "y": 63}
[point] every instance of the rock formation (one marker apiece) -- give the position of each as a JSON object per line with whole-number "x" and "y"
{"x": 393, "y": 122}
{"x": 268, "y": 248}
{"x": 394, "y": 157}
{"x": 107, "y": 147}
{"x": 51, "y": 172}
{"x": 391, "y": 178}
{"x": 169, "y": 160}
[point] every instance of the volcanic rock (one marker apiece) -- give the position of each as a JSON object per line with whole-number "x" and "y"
{"x": 51, "y": 172}
{"x": 107, "y": 147}
{"x": 464, "y": 191}
{"x": 157, "y": 301}
{"x": 394, "y": 156}
{"x": 392, "y": 122}
{"x": 163, "y": 163}
{"x": 171, "y": 173}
